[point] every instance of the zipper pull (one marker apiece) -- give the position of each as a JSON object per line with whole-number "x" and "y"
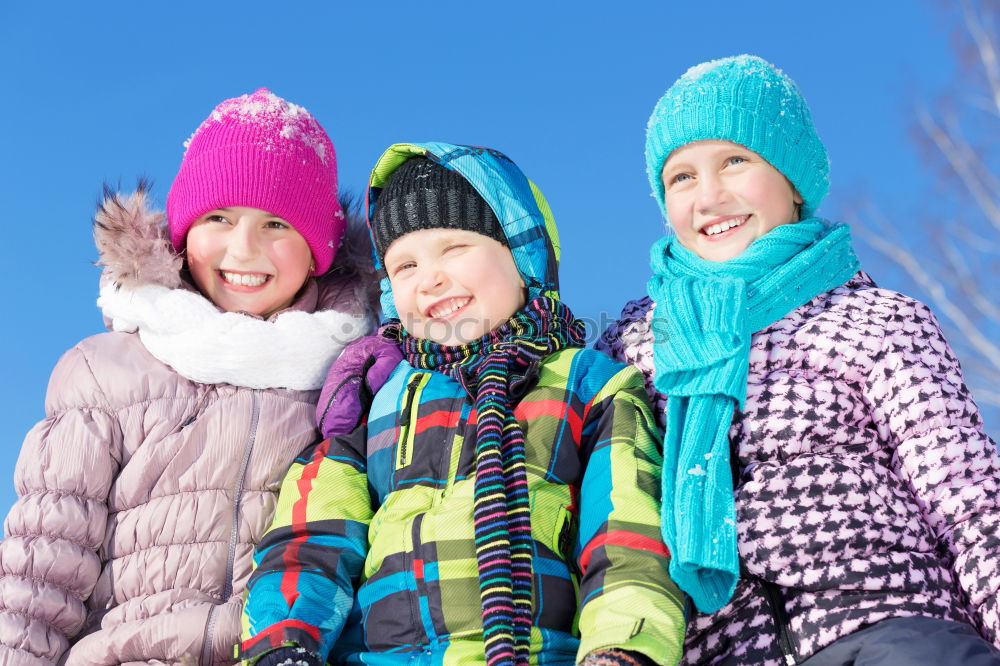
{"x": 405, "y": 436}
{"x": 411, "y": 386}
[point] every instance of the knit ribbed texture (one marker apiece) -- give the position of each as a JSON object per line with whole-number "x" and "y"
{"x": 264, "y": 152}
{"x": 528, "y": 226}
{"x": 493, "y": 370}
{"x": 422, "y": 194}
{"x": 746, "y": 100}
{"x": 706, "y": 313}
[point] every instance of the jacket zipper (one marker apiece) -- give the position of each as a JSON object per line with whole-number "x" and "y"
{"x": 234, "y": 532}
{"x": 775, "y": 604}
{"x": 450, "y": 462}
{"x": 409, "y": 407}
{"x": 777, "y": 608}
{"x": 194, "y": 412}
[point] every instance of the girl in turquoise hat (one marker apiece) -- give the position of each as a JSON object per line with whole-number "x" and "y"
{"x": 829, "y": 494}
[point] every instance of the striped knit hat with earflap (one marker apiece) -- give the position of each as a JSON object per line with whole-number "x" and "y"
{"x": 749, "y": 101}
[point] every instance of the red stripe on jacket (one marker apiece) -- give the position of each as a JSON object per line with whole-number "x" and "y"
{"x": 528, "y": 410}
{"x": 624, "y": 539}
{"x": 290, "y": 577}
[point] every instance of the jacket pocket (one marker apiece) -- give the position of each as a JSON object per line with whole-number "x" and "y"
{"x": 562, "y": 535}
{"x": 553, "y": 524}
{"x": 408, "y": 419}
{"x": 446, "y": 571}
{"x": 557, "y": 587}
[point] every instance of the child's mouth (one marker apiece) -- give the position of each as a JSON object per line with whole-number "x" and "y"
{"x": 719, "y": 229}
{"x": 447, "y": 307}
{"x": 244, "y": 280}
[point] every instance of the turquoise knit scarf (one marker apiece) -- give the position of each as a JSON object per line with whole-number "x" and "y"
{"x": 705, "y": 315}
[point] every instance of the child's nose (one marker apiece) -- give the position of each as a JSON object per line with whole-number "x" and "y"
{"x": 243, "y": 243}
{"x": 711, "y": 192}
{"x": 432, "y": 278}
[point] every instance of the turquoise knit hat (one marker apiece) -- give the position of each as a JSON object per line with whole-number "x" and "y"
{"x": 749, "y": 101}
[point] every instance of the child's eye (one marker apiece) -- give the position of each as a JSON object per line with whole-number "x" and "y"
{"x": 456, "y": 246}
{"x": 678, "y": 178}
{"x": 736, "y": 159}
{"x": 276, "y": 224}
{"x": 404, "y": 267}
{"x": 216, "y": 218}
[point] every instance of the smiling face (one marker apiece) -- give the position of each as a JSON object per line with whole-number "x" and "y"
{"x": 721, "y": 196}
{"x": 247, "y": 260}
{"x": 452, "y": 286}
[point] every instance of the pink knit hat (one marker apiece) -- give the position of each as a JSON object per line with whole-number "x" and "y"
{"x": 262, "y": 152}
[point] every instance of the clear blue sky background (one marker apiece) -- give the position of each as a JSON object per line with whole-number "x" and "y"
{"x": 108, "y": 91}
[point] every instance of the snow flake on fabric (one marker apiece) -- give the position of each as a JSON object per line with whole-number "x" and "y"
{"x": 277, "y": 116}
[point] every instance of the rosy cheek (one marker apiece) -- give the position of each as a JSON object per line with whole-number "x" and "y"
{"x": 291, "y": 254}
{"x": 201, "y": 268}
{"x": 202, "y": 244}
{"x": 198, "y": 259}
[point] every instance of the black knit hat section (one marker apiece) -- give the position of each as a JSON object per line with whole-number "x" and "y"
{"x": 422, "y": 194}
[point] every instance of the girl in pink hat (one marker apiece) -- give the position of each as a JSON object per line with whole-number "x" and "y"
{"x": 156, "y": 468}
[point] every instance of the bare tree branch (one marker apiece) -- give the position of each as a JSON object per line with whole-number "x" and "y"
{"x": 985, "y": 49}
{"x": 950, "y": 254}
{"x": 967, "y": 282}
{"x": 963, "y": 161}
{"x": 985, "y": 396}
{"x": 986, "y": 245}
{"x": 940, "y": 298}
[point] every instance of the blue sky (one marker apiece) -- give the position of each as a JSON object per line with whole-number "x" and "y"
{"x": 107, "y": 92}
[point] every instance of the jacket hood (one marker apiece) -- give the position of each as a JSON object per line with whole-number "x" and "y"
{"x": 145, "y": 289}
{"x": 134, "y": 248}
{"x": 521, "y": 208}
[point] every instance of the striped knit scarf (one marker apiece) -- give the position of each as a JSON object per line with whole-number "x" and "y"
{"x": 706, "y": 314}
{"x": 494, "y": 370}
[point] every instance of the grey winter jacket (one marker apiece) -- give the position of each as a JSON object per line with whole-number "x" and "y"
{"x": 143, "y": 492}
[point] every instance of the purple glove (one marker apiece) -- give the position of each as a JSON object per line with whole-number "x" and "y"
{"x": 360, "y": 371}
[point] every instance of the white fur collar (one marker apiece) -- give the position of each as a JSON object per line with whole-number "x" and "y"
{"x": 184, "y": 330}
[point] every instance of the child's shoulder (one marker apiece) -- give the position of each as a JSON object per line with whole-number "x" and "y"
{"x": 635, "y": 312}
{"x": 587, "y": 372}
{"x": 582, "y": 360}
{"x": 95, "y": 370}
{"x": 112, "y": 370}
{"x": 406, "y": 384}
{"x": 862, "y": 303}
{"x": 584, "y": 372}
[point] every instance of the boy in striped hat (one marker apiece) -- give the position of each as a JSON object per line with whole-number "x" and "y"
{"x": 499, "y": 505}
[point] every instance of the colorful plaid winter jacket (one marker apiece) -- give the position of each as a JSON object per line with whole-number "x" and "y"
{"x": 388, "y": 511}
{"x": 371, "y": 557}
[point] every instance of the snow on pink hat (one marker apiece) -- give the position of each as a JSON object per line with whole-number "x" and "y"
{"x": 264, "y": 152}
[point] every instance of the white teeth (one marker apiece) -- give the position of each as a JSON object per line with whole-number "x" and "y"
{"x": 448, "y": 307}
{"x": 244, "y": 280}
{"x": 725, "y": 225}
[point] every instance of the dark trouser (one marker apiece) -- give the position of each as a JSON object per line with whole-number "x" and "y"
{"x": 910, "y": 641}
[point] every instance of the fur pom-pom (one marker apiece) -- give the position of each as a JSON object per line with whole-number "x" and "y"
{"x": 133, "y": 242}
